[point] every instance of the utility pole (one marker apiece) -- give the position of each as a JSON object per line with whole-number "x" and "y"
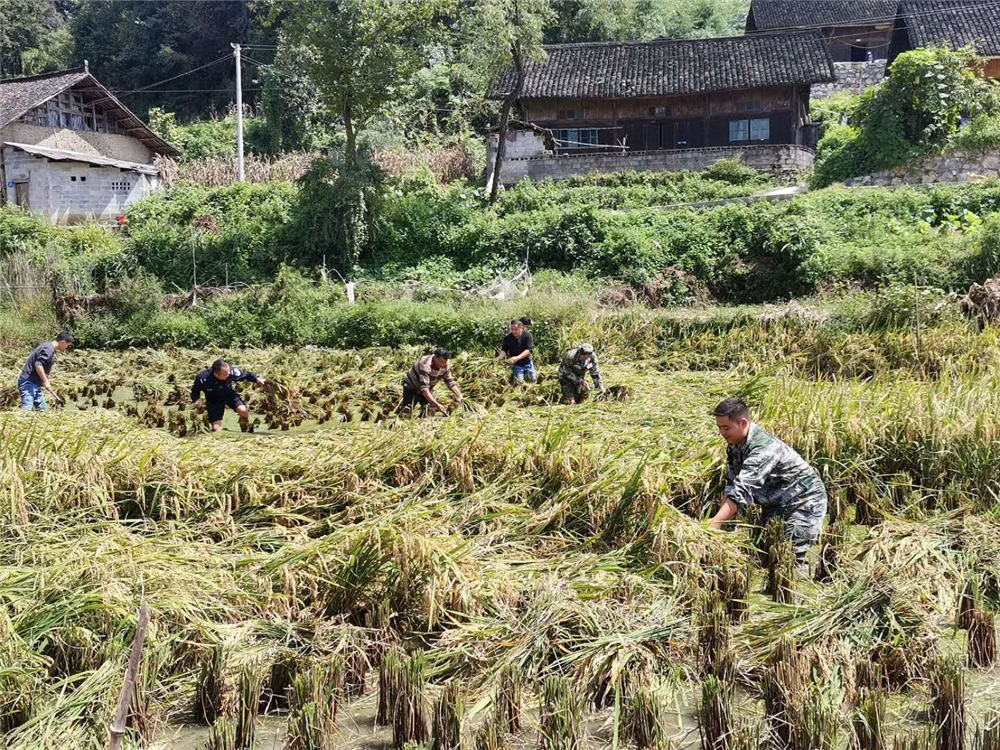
{"x": 239, "y": 112}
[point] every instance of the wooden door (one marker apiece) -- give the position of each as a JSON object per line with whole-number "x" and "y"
{"x": 21, "y": 194}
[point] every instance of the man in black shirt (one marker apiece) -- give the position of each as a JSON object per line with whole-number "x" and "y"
{"x": 34, "y": 378}
{"x": 217, "y": 385}
{"x": 516, "y": 348}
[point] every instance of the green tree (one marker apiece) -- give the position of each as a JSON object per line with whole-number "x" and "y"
{"x": 358, "y": 52}
{"x": 24, "y": 25}
{"x": 502, "y": 36}
{"x": 133, "y": 44}
{"x": 641, "y": 20}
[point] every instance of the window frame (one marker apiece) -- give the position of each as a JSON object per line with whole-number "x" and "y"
{"x": 745, "y": 130}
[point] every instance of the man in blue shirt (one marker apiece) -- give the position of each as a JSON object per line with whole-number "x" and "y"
{"x": 217, "y": 385}
{"x": 34, "y": 378}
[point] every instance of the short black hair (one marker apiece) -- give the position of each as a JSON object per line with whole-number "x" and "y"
{"x": 733, "y": 409}
{"x": 218, "y": 365}
{"x": 443, "y": 353}
{"x": 526, "y": 320}
{"x": 65, "y": 336}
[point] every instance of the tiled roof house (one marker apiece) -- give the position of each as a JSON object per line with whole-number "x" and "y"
{"x": 70, "y": 150}
{"x": 716, "y": 97}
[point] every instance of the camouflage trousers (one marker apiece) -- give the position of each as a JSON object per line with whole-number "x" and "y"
{"x": 803, "y": 523}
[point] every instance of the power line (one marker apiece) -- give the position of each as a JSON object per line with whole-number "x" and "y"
{"x": 185, "y": 91}
{"x": 174, "y": 78}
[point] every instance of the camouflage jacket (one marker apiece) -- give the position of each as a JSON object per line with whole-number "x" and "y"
{"x": 573, "y": 370}
{"x": 765, "y": 471}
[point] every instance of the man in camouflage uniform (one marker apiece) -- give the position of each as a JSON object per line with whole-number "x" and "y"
{"x": 573, "y": 372}
{"x": 764, "y": 471}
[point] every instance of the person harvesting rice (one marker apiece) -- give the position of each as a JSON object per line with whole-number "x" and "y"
{"x": 573, "y": 372}
{"x": 764, "y": 471}
{"x": 217, "y": 385}
{"x": 34, "y": 378}
{"x": 516, "y": 351}
{"x": 419, "y": 382}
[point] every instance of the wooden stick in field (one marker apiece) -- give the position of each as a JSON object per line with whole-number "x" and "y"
{"x": 125, "y": 699}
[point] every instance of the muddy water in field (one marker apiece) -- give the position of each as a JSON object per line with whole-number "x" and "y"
{"x": 357, "y": 731}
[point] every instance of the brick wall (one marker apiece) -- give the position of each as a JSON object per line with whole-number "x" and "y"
{"x": 783, "y": 158}
{"x": 853, "y": 77}
{"x": 954, "y": 166}
{"x": 70, "y": 192}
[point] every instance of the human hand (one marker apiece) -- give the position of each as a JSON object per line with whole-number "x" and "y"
{"x": 511, "y": 361}
{"x": 261, "y": 381}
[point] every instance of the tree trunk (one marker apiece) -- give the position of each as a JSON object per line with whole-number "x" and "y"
{"x": 350, "y": 148}
{"x": 508, "y": 104}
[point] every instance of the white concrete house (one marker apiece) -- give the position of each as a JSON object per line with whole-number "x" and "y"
{"x": 70, "y": 151}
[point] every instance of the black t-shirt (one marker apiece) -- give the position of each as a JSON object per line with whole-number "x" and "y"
{"x": 513, "y": 346}
{"x": 43, "y": 355}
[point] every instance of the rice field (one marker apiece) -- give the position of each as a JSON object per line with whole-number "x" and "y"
{"x": 519, "y": 574}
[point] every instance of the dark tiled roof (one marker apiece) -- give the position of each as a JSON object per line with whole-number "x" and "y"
{"x": 18, "y": 95}
{"x": 956, "y": 23}
{"x": 786, "y": 14}
{"x": 613, "y": 70}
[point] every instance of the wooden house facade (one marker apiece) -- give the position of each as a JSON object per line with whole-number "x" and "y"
{"x": 674, "y": 95}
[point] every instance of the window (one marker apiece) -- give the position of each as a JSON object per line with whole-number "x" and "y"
{"x": 750, "y": 105}
{"x": 567, "y": 114}
{"x": 83, "y": 179}
{"x": 72, "y": 178}
{"x": 576, "y": 137}
{"x": 121, "y": 186}
{"x": 760, "y": 130}
{"x": 659, "y": 111}
{"x": 749, "y": 130}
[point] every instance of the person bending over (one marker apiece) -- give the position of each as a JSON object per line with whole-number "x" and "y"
{"x": 34, "y": 378}
{"x": 573, "y": 372}
{"x": 419, "y": 382}
{"x": 218, "y": 385}
{"x": 764, "y": 471}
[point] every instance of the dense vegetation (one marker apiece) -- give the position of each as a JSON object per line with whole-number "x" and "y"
{"x": 601, "y": 229}
{"x": 916, "y": 111}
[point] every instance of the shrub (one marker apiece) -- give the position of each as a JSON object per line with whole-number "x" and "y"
{"x": 23, "y": 232}
{"x": 981, "y": 134}
{"x": 916, "y": 110}
{"x": 243, "y": 233}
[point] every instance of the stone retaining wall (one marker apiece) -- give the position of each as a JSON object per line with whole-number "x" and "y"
{"x": 954, "y": 166}
{"x": 779, "y": 159}
{"x": 853, "y": 77}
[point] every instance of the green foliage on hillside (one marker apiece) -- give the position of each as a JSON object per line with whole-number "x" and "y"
{"x": 917, "y": 110}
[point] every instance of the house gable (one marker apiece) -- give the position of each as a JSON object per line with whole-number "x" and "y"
{"x": 74, "y": 100}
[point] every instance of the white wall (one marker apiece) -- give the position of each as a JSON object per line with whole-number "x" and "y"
{"x": 96, "y": 193}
